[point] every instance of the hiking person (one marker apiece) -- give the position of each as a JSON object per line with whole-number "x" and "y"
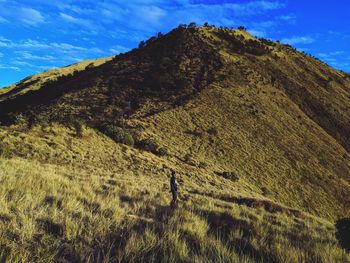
{"x": 173, "y": 188}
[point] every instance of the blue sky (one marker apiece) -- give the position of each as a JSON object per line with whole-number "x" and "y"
{"x": 36, "y": 35}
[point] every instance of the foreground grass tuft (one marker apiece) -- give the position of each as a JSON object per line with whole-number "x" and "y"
{"x": 47, "y": 216}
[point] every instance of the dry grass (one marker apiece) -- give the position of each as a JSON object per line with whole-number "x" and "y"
{"x": 288, "y": 158}
{"x": 73, "y": 211}
{"x": 36, "y": 81}
{"x": 76, "y": 195}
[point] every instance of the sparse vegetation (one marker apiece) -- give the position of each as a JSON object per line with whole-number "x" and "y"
{"x": 151, "y": 146}
{"x": 212, "y": 131}
{"x": 229, "y": 175}
{"x": 255, "y": 143}
{"x": 117, "y": 132}
{"x": 343, "y": 233}
{"x": 198, "y": 231}
{"x": 78, "y": 126}
{"x": 5, "y": 151}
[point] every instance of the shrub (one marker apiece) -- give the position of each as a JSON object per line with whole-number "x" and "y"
{"x": 162, "y": 151}
{"x": 142, "y": 44}
{"x": 212, "y": 131}
{"x": 5, "y": 151}
{"x": 230, "y": 176}
{"x": 150, "y": 146}
{"x": 202, "y": 165}
{"x": 32, "y": 119}
{"x": 194, "y": 133}
{"x": 147, "y": 145}
{"x": 265, "y": 191}
{"x": 72, "y": 122}
{"x": 128, "y": 139}
{"x": 91, "y": 65}
{"x": 20, "y": 118}
{"x": 78, "y": 128}
{"x": 343, "y": 233}
{"x": 117, "y": 133}
{"x": 188, "y": 158}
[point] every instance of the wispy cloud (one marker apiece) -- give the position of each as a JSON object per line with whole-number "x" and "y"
{"x": 330, "y": 54}
{"x": 30, "y": 16}
{"x": 13, "y": 12}
{"x": 298, "y": 40}
{"x": 29, "y": 56}
{"x": 9, "y": 67}
{"x": 77, "y": 21}
{"x": 3, "y": 20}
{"x": 291, "y": 19}
{"x": 68, "y": 30}
{"x": 40, "y": 45}
{"x": 257, "y": 33}
{"x": 118, "y": 49}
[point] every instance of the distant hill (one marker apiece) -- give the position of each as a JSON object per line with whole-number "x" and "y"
{"x": 257, "y": 132}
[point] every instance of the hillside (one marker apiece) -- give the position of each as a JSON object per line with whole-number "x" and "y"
{"x": 256, "y": 131}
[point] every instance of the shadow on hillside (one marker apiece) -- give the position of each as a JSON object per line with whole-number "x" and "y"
{"x": 223, "y": 224}
{"x": 343, "y": 233}
{"x": 254, "y": 203}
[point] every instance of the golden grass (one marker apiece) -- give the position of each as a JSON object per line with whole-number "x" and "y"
{"x": 87, "y": 198}
{"x": 60, "y": 209}
{"x": 287, "y": 157}
{"x": 35, "y": 82}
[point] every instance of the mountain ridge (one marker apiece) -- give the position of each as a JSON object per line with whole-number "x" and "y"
{"x": 256, "y": 132}
{"x": 305, "y": 98}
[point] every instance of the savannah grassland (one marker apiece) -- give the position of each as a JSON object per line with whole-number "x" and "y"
{"x": 91, "y": 199}
{"x": 70, "y": 193}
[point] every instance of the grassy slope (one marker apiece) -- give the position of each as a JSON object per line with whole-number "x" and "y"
{"x": 296, "y": 161}
{"x": 98, "y": 200}
{"x": 92, "y": 199}
{"x": 36, "y": 81}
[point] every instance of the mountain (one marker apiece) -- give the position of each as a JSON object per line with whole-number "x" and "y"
{"x": 257, "y": 133}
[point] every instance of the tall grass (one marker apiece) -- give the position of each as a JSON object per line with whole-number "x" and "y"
{"x": 52, "y": 213}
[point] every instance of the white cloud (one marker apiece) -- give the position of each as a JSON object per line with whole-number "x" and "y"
{"x": 330, "y": 54}
{"x": 3, "y": 20}
{"x": 337, "y": 53}
{"x": 254, "y": 7}
{"x": 298, "y": 40}
{"x": 29, "y": 56}
{"x": 4, "y": 42}
{"x": 21, "y": 63}
{"x": 258, "y": 33}
{"x": 76, "y": 21}
{"x": 288, "y": 18}
{"x": 151, "y": 14}
{"x": 30, "y": 16}
{"x": 38, "y": 55}
{"x": 9, "y": 67}
{"x": 54, "y": 46}
{"x": 322, "y": 55}
{"x": 118, "y": 49}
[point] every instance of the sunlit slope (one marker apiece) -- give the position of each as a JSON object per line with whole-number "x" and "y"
{"x": 35, "y": 82}
{"x": 275, "y": 117}
{"x": 90, "y": 199}
{"x": 275, "y": 150}
{"x": 257, "y": 132}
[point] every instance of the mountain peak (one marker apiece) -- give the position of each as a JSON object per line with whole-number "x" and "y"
{"x": 170, "y": 69}
{"x": 256, "y": 133}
